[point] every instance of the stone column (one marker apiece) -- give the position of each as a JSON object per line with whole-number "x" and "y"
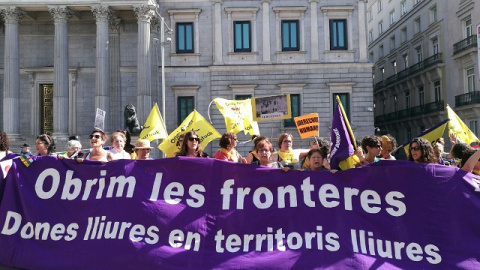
{"x": 362, "y": 31}
{"x": 116, "y": 113}
{"x": 266, "y": 31}
{"x": 314, "y": 30}
{"x": 11, "y": 77}
{"x": 102, "y": 99}
{"x": 144, "y": 87}
{"x": 60, "y": 15}
{"x": 155, "y": 58}
{"x": 217, "y": 38}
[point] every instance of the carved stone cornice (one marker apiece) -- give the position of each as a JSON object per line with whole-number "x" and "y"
{"x": 60, "y": 14}
{"x": 101, "y": 13}
{"x": 144, "y": 13}
{"x": 11, "y": 14}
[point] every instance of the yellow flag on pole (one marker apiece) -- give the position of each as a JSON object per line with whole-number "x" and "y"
{"x": 238, "y": 115}
{"x": 457, "y": 128}
{"x": 194, "y": 121}
{"x": 154, "y": 127}
{"x": 431, "y": 135}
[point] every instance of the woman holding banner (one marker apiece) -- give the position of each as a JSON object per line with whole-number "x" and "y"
{"x": 45, "y": 145}
{"x": 4, "y": 144}
{"x": 190, "y": 146}
{"x": 287, "y": 156}
{"x": 118, "y": 140}
{"x": 97, "y": 140}
{"x": 264, "y": 149}
{"x": 253, "y": 155}
{"x": 227, "y": 152}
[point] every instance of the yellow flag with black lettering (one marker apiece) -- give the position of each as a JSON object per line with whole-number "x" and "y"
{"x": 194, "y": 121}
{"x": 154, "y": 127}
{"x": 238, "y": 115}
{"x": 457, "y": 128}
{"x": 431, "y": 135}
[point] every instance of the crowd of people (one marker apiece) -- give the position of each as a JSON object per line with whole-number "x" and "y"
{"x": 369, "y": 150}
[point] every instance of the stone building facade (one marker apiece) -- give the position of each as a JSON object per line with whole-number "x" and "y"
{"x": 425, "y": 55}
{"x": 82, "y": 55}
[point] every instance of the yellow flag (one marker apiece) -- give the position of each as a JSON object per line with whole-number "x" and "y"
{"x": 238, "y": 115}
{"x": 154, "y": 128}
{"x": 194, "y": 121}
{"x": 431, "y": 135}
{"x": 457, "y": 128}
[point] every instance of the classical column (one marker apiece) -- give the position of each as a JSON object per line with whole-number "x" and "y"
{"x": 102, "y": 100}
{"x": 266, "y": 30}
{"x": 155, "y": 58}
{"x": 116, "y": 113}
{"x": 60, "y": 15}
{"x": 217, "y": 38}
{"x": 11, "y": 77}
{"x": 362, "y": 31}
{"x": 144, "y": 87}
{"x": 314, "y": 30}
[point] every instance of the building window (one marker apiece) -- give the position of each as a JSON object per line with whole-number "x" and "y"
{"x": 295, "y": 107}
{"x": 380, "y": 5}
{"x": 392, "y": 43}
{"x": 417, "y": 25}
{"x": 345, "y": 99}
{"x": 438, "y": 91}
{"x": 392, "y": 17}
{"x": 380, "y": 51}
{"x": 242, "y": 36}
{"x": 470, "y": 80}
{"x": 468, "y": 27}
{"x": 370, "y": 36}
{"x": 290, "y": 36}
{"x": 408, "y": 134}
{"x": 380, "y": 27}
{"x": 407, "y": 99}
{"x": 242, "y": 97}
{"x": 382, "y": 73}
{"x": 338, "y": 35}
{"x": 371, "y": 57}
{"x": 433, "y": 14}
{"x": 404, "y": 34}
{"x": 184, "y": 37}
{"x": 417, "y": 1}
{"x": 474, "y": 127}
{"x": 369, "y": 14}
{"x": 405, "y": 60}
{"x": 435, "y": 45}
{"x": 404, "y": 7}
{"x": 395, "y": 103}
{"x": 421, "y": 96}
{"x": 419, "y": 52}
{"x": 394, "y": 66}
{"x": 185, "y": 107}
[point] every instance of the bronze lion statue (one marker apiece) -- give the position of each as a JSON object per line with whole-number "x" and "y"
{"x": 131, "y": 120}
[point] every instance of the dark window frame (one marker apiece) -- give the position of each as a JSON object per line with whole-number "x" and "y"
{"x": 334, "y": 35}
{"x": 243, "y": 49}
{"x": 346, "y": 105}
{"x": 181, "y": 115}
{"x": 291, "y": 122}
{"x": 185, "y": 37}
{"x": 289, "y": 47}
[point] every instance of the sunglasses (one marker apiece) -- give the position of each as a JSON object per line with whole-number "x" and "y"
{"x": 193, "y": 139}
{"x": 96, "y": 136}
{"x": 415, "y": 148}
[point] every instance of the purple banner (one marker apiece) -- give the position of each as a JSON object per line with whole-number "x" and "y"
{"x": 193, "y": 213}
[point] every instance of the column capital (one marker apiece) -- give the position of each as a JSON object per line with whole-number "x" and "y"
{"x": 144, "y": 13}
{"x": 155, "y": 24}
{"x": 266, "y": 1}
{"x": 60, "y": 14}
{"x": 315, "y": 1}
{"x": 114, "y": 23}
{"x": 366, "y": 1}
{"x": 101, "y": 13}
{"x": 11, "y": 14}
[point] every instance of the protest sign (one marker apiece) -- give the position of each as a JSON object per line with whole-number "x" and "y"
{"x": 155, "y": 214}
{"x": 99, "y": 119}
{"x": 238, "y": 115}
{"x": 307, "y": 125}
{"x": 271, "y": 108}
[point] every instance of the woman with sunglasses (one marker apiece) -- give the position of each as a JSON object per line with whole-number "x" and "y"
{"x": 288, "y": 156}
{"x": 190, "y": 146}
{"x": 97, "y": 140}
{"x": 45, "y": 145}
{"x": 421, "y": 151}
{"x": 227, "y": 152}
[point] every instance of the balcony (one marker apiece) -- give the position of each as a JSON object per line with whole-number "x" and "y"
{"x": 404, "y": 114}
{"x": 418, "y": 67}
{"x": 469, "y": 42}
{"x": 467, "y": 99}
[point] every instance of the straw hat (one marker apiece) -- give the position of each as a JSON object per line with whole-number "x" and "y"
{"x": 143, "y": 144}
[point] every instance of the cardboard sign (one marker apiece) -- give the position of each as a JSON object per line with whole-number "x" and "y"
{"x": 307, "y": 125}
{"x": 271, "y": 108}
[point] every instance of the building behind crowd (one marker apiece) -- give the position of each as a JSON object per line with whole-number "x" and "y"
{"x": 64, "y": 59}
{"x": 425, "y": 55}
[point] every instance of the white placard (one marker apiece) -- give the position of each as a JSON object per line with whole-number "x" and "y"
{"x": 99, "y": 119}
